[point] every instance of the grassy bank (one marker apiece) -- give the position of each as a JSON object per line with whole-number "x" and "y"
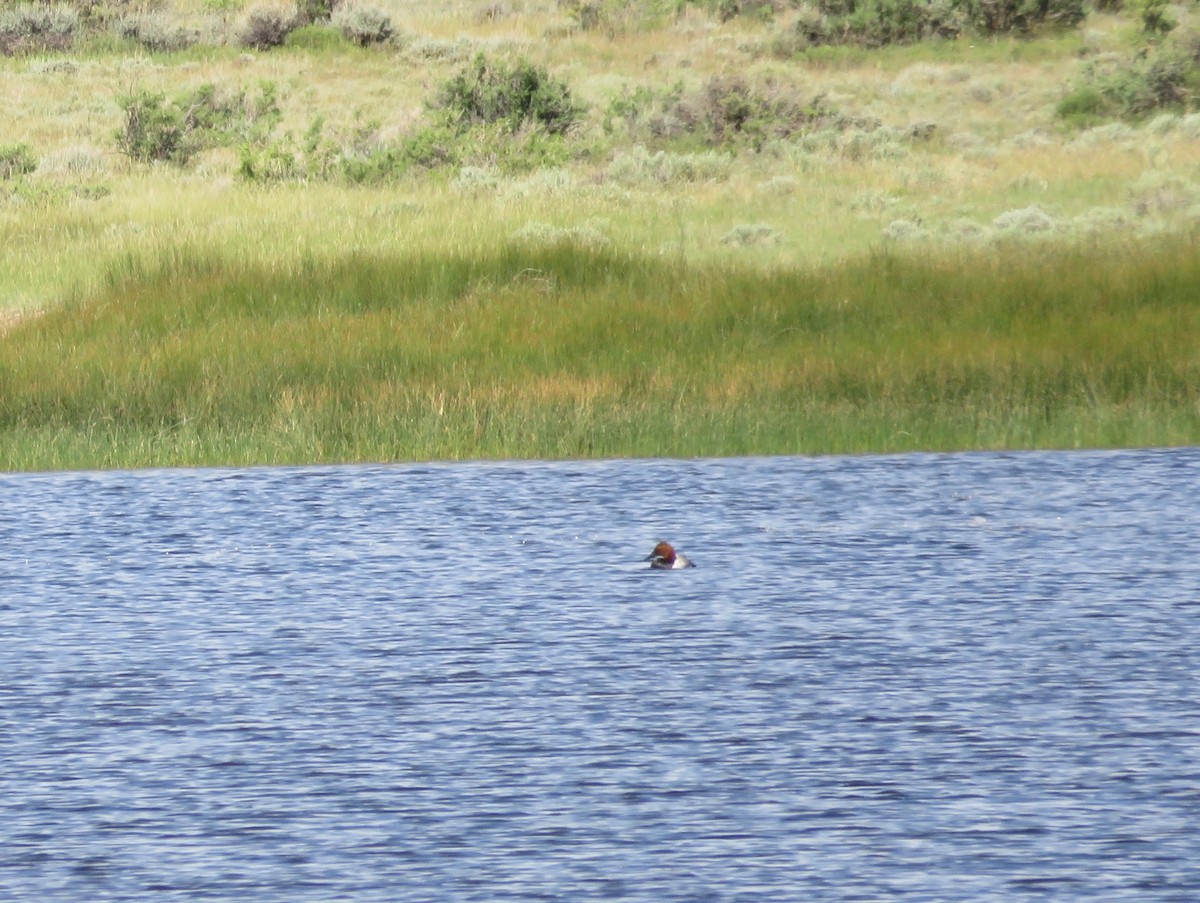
{"x": 551, "y": 350}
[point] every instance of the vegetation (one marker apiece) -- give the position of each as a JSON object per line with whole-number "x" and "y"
{"x": 364, "y": 26}
{"x": 557, "y": 350}
{"x": 37, "y": 27}
{"x": 510, "y": 116}
{"x": 267, "y": 26}
{"x": 1165, "y": 77}
{"x": 726, "y": 111}
{"x": 489, "y": 92}
{"x": 16, "y": 160}
{"x": 175, "y": 131}
{"x": 244, "y": 234}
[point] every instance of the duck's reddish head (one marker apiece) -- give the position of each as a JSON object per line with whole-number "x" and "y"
{"x": 665, "y": 558}
{"x": 663, "y": 552}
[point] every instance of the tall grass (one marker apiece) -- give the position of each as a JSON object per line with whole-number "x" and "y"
{"x": 185, "y": 356}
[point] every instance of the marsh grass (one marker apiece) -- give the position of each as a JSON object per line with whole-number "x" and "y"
{"x": 186, "y": 357}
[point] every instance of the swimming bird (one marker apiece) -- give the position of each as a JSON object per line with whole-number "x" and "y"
{"x": 665, "y": 558}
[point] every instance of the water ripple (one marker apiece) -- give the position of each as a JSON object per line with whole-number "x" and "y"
{"x": 928, "y": 677}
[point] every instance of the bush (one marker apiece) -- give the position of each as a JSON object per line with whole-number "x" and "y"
{"x": 174, "y": 131}
{"x": 155, "y": 130}
{"x": 728, "y": 110}
{"x": 16, "y": 160}
{"x": 433, "y": 147}
{"x": 280, "y": 159}
{"x": 747, "y": 234}
{"x": 444, "y": 145}
{"x": 1168, "y": 79}
{"x": 356, "y": 156}
{"x": 905, "y": 230}
{"x": 363, "y": 25}
{"x": 1156, "y": 20}
{"x": 1083, "y": 106}
{"x": 29, "y": 28}
{"x": 729, "y": 107}
{"x": 878, "y": 23}
{"x": 1025, "y": 221}
{"x": 585, "y": 236}
{"x": 508, "y": 118}
{"x": 266, "y": 26}
{"x": 725, "y": 10}
{"x": 1162, "y": 193}
{"x": 489, "y": 92}
{"x": 231, "y": 117}
{"x": 871, "y": 23}
{"x": 584, "y": 14}
{"x": 1024, "y": 16}
{"x": 493, "y": 12}
{"x": 613, "y": 17}
{"x": 360, "y": 156}
{"x": 157, "y": 32}
{"x": 637, "y": 166}
{"x": 310, "y": 11}
{"x": 731, "y": 9}
{"x": 643, "y": 110}
{"x": 1167, "y": 83}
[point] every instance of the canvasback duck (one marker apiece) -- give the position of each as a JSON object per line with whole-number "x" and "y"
{"x": 665, "y": 558}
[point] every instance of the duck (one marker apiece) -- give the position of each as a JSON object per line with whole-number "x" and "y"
{"x": 665, "y": 558}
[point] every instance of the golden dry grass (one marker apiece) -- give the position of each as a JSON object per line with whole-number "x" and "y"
{"x": 996, "y": 146}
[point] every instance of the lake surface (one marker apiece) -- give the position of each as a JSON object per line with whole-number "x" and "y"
{"x": 916, "y": 677}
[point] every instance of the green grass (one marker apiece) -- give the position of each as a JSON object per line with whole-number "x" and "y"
{"x": 187, "y": 357}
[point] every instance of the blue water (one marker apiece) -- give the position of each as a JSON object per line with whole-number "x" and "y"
{"x": 918, "y": 677}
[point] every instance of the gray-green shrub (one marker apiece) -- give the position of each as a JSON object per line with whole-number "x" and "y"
{"x": 1084, "y": 106}
{"x": 878, "y": 23}
{"x": 267, "y": 26}
{"x": 1167, "y": 78}
{"x": 364, "y": 25}
{"x": 156, "y": 128}
{"x": 1023, "y": 16}
{"x": 1156, "y": 18}
{"x": 321, "y": 154}
{"x": 34, "y": 27}
{"x": 490, "y": 91}
{"x": 614, "y": 17}
{"x": 157, "y": 32}
{"x": 310, "y": 11}
{"x": 16, "y": 160}
{"x": 731, "y": 108}
{"x": 727, "y": 110}
{"x": 638, "y": 166}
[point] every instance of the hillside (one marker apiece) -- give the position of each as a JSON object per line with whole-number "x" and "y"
{"x": 192, "y": 193}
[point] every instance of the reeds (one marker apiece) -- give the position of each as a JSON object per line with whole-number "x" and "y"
{"x": 187, "y": 357}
